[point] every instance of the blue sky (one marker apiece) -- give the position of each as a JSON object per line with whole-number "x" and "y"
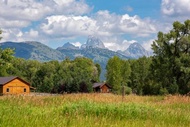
{"x": 118, "y": 23}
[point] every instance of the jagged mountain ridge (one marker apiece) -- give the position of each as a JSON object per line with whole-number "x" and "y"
{"x": 135, "y": 50}
{"x": 93, "y": 42}
{"x": 67, "y": 46}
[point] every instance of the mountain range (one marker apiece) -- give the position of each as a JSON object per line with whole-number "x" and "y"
{"x": 93, "y": 49}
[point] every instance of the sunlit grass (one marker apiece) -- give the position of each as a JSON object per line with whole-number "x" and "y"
{"x": 94, "y": 110}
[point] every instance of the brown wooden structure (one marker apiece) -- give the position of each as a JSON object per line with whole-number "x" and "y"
{"x": 13, "y": 85}
{"x": 101, "y": 87}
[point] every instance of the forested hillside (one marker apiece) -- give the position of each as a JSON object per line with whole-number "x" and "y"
{"x": 33, "y": 50}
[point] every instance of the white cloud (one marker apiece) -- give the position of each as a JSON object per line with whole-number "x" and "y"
{"x": 176, "y": 8}
{"x": 10, "y": 34}
{"x": 124, "y": 24}
{"x": 77, "y": 44}
{"x": 17, "y": 35}
{"x": 71, "y": 7}
{"x": 135, "y": 25}
{"x": 13, "y": 23}
{"x": 119, "y": 46}
{"x": 27, "y": 11}
{"x": 103, "y": 24}
{"x": 147, "y": 44}
{"x": 69, "y": 26}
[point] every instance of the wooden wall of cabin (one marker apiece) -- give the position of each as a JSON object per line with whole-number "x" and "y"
{"x": 16, "y": 87}
{"x": 104, "y": 89}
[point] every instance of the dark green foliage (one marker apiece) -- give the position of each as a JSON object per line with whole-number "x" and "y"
{"x": 5, "y": 60}
{"x": 77, "y": 75}
{"x": 170, "y": 64}
{"x": 140, "y": 75}
{"x": 163, "y": 91}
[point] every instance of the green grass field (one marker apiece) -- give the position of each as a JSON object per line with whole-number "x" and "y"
{"x": 94, "y": 110}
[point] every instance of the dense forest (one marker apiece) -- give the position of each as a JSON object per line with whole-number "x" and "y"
{"x": 166, "y": 72}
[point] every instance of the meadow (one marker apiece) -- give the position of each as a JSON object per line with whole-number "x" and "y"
{"x": 94, "y": 110}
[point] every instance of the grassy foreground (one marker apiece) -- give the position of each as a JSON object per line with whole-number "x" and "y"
{"x": 94, "y": 110}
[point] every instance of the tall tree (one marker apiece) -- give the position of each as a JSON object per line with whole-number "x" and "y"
{"x": 140, "y": 75}
{"x": 171, "y": 58}
{"x": 6, "y": 56}
{"x": 44, "y": 78}
{"x": 118, "y": 72}
{"x": 113, "y": 74}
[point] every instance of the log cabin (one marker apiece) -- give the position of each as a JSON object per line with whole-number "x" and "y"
{"x": 13, "y": 85}
{"x": 101, "y": 87}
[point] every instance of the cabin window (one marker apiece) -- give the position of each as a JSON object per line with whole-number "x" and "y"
{"x": 24, "y": 89}
{"x": 7, "y": 89}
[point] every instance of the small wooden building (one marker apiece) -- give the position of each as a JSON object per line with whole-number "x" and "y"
{"x": 13, "y": 85}
{"x": 101, "y": 87}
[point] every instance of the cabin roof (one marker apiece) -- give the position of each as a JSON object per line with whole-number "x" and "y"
{"x": 95, "y": 85}
{"x": 4, "y": 80}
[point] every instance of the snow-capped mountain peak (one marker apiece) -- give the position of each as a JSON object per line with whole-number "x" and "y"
{"x": 93, "y": 42}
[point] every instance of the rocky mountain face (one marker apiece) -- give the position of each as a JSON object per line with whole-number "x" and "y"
{"x": 93, "y": 42}
{"x": 135, "y": 51}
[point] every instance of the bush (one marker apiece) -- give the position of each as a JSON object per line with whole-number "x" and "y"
{"x": 128, "y": 90}
{"x": 163, "y": 91}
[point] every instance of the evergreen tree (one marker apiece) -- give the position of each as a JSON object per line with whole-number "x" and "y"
{"x": 170, "y": 65}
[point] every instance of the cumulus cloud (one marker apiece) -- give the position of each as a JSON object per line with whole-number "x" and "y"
{"x": 77, "y": 44}
{"x": 135, "y": 25}
{"x": 176, "y": 8}
{"x": 12, "y": 23}
{"x": 71, "y": 7}
{"x": 102, "y": 24}
{"x": 68, "y": 26}
{"x": 124, "y": 24}
{"x": 115, "y": 46}
{"x": 27, "y": 11}
{"x": 147, "y": 44}
{"x": 18, "y": 36}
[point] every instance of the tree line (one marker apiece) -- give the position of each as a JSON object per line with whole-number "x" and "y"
{"x": 166, "y": 72}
